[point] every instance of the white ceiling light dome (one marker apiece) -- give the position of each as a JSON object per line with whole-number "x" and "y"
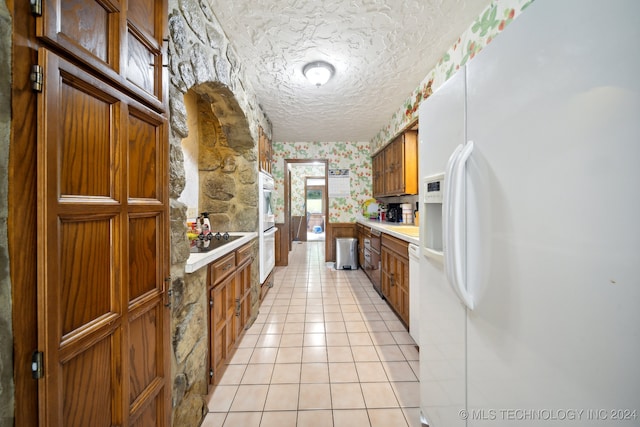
{"x": 318, "y": 72}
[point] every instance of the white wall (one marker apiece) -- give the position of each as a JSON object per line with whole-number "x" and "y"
{"x": 191, "y": 190}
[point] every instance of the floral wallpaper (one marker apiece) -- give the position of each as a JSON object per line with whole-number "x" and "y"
{"x": 340, "y": 155}
{"x": 482, "y": 31}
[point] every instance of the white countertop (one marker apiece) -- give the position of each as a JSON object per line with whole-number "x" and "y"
{"x": 198, "y": 260}
{"x": 406, "y": 232}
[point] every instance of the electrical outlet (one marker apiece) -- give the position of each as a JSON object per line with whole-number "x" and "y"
{"x": 192, "y": 213}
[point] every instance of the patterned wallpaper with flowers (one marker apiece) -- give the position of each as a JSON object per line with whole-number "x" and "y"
{"x": 482, "y": 31}
{"x": 340, "y": 155}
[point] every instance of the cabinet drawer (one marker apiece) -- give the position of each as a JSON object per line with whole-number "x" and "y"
{"x": 398, "y": 246}
{"x": 244, "y": 253}
{"x": 221, "y": 268}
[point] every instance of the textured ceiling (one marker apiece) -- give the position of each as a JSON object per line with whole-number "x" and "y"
{"x": 381, "y": 50}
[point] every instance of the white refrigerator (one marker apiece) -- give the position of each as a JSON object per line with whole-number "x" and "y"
{"x": 530, "y": 236}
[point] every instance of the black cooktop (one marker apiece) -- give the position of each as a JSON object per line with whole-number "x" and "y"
{"x": 210, "y": 242}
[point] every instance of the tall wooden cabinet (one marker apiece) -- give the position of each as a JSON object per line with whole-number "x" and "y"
{"x": 103, "y": 257}
{"x": 395, "y": 274}
{"x": 395, "y": 167}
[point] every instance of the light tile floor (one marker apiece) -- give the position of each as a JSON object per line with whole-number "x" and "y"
{"x": 325, "y": 350}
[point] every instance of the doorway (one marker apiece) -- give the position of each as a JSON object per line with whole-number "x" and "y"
{"x": 295, "y": 201}
{"x": 315, "y": 195}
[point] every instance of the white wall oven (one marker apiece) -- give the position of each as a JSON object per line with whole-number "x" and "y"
{"x": 266, "y": 228}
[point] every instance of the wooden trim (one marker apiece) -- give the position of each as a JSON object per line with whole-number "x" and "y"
{"x": 287, "y": 199}
{"x": 22, "y": 214}
{"x": 282, "y": 245}
{"x": 299, "y": 224}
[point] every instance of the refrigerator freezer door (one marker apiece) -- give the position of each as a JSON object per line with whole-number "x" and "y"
{"x": 442, "y": 321}
{"x": 552, "y": 222}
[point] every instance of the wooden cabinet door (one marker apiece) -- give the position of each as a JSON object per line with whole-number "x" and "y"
{"x": 398, "y": 163}
{"x": 218, "y": 330}
{"x": 265, "y": 154}
{"x": 395, "y": 275}
{"x": 231, "y": 307}
{"x": 398, "y": 177}
{"x": 386, "y": 261}
{"x": 378, "y": 174}
{"x": 243, "y": 280}
{"x": 389, "y": 168}
{"x": 121, "y": 40}
{"x": 402, "y": 288}
{"x": 409, "y": 177}
{"x": 103, "y": 325}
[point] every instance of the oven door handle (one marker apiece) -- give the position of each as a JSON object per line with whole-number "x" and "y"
{"x": 270, "y": 232}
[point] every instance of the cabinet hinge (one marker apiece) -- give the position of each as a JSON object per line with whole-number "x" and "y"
{"x": 37, "y": 365}
{"x": 210, "y": 303}
{"x": 168, "y": 297}
{"x": 210, "y": 373}
{"x": 36, "y": 7}
{"x": 36, "y": 77}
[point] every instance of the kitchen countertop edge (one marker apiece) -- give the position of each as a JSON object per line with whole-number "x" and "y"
{"x": 385, "y": 228}
{"x": 199, "y": 260}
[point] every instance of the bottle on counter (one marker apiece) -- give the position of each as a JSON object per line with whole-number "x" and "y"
{"x": 407, "y": 213}
{"x": 206, "y": 224}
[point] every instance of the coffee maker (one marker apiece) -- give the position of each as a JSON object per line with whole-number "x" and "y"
{"x": 394, "y": 212}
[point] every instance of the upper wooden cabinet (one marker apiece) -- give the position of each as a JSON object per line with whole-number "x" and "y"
{"x": 265, "y": 151}
{"x": 378, "y": 174}
{"x": 122, "y": 40}
{"x": 395, "y": 168}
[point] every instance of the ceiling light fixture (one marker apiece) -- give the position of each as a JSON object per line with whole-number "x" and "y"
{"x": 318, "y": 72}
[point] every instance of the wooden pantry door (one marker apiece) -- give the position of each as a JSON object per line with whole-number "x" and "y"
{"x": 103, "y": 323}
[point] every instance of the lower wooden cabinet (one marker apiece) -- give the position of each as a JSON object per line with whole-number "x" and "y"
{"x": 229, "y": 281}
{"x": 244, "y": 258}
{"x": 395, "y": 275}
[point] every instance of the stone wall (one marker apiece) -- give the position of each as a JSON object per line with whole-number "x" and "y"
{"x": 6, "y": 333}
{"x": 200, "y": 59}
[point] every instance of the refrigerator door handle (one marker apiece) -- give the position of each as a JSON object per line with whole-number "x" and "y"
{"x": 453, "y": 224}
{"x": 447, "y": 217}
{"x": 458, "y": 233}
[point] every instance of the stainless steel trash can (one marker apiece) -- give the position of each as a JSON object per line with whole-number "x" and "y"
{"x": 346, "y": 253}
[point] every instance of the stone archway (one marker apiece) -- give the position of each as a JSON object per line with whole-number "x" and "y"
{"x": 227, "y": 161}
